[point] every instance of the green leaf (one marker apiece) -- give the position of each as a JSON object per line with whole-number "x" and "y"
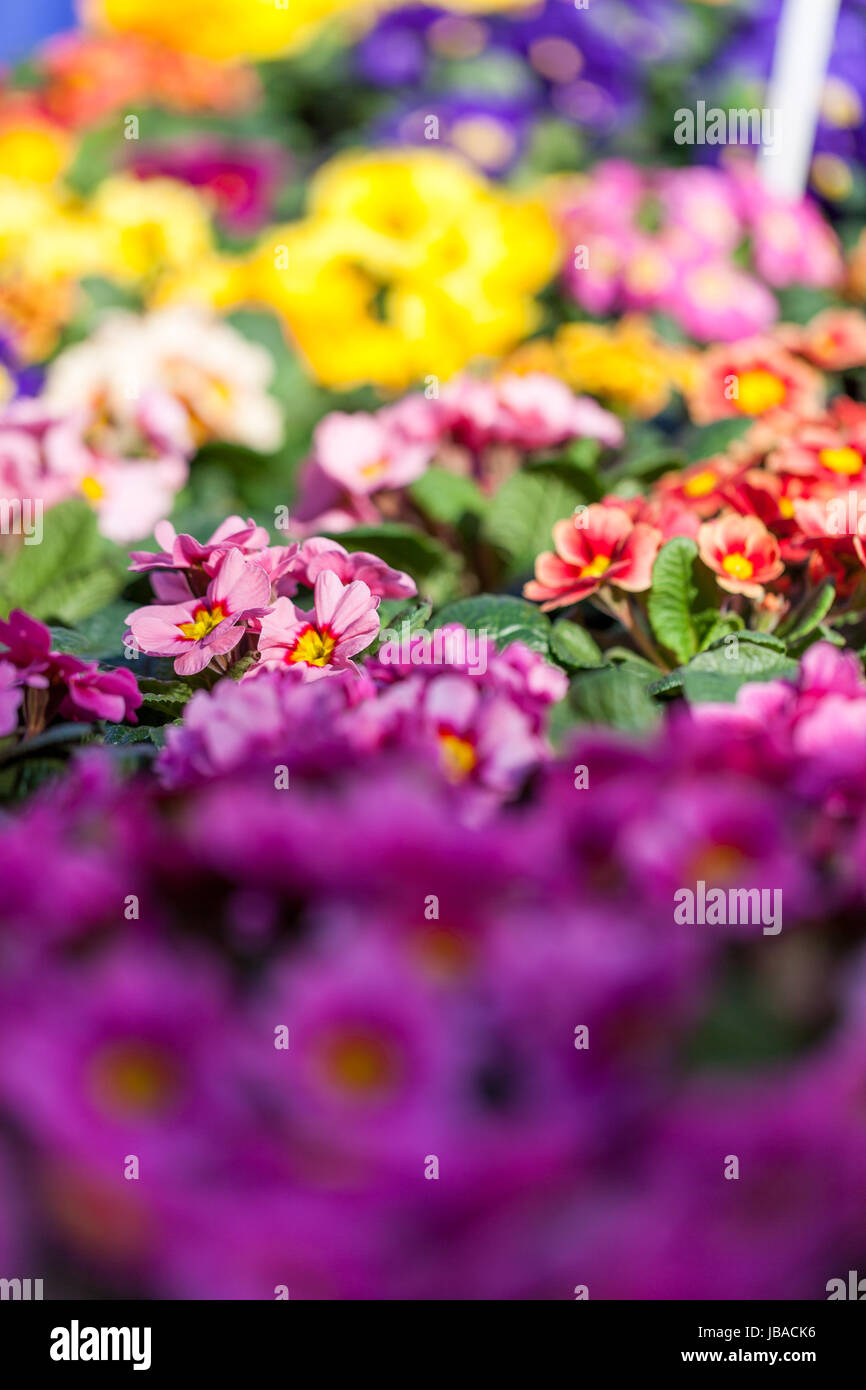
{"x": 718, "y": 673}
{"x": 621, "y": 654}
{"x": 672, "y": 597}
{"x": 671, "y": 684}
{"x": 708, "y": 440}
{"x": 165, "y": 697}
{"x": 447, "y": 497}
{"x": 97, "y": 638}
{"x": 504, "y": 618}
{"x": 573, "y": 647}
{"x": 73, "y": 571}
{"x": 83, "y": 594}
{"x": 810, "y": 615}
{"x": 522, "y": 514}
{"x": 800, "y": 303}
{"x": 712, "y": 626}
{"x": 616, "y": 696}
{"x": 119, "y": 735}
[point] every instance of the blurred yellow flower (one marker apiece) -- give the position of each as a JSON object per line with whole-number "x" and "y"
{"x": 150, "y": 226}
{"x": 23, "y": 208}
{"x": 225, "y": 29}
{"x": 408, "y": 264}
{"x": 32, "y": 149}
{"x": 219, "y": 29}
{"x": 33, "y": 311}
{"x": 625, "y": 364}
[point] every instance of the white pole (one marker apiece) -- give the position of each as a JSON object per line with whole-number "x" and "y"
{"x": 803, "y": 48}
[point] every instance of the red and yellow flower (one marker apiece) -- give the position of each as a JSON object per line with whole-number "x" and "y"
{"x": 754, "y": 379}
{"x": 599, "y": 545}
{"x": 743, "y": 554}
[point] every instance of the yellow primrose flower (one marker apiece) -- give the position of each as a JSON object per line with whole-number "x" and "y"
{"x": 218, "y": 29}
{"x": 219, "y": 281}
{"x": 154, "y": 226}
{"x": 32, "y": 149}
{"x": 224, "y": 29}
{"x": 397, "y": 202}
{"x": 70, "y": 244}
{"x": 412, "y": 254}
{"x": 23, "y": 208}
{"x": 624, "y": 364}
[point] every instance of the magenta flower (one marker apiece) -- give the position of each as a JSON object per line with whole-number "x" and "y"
{"x": 184, "y": 552}
{"x": 530, "y": 411}
{"x": 197, "y": 630}
{"x": 117, "y": 1056}
{"x": 342, "y": 622}
{"x": 363, "y": 453}
{"x": 318, "y": 555}
{"x": 10, "y": 697}
{"x": 489, "y": 740}
{"x": 242, "y": 177}
{"x": 75, "y": 689}
{"x": 95, "y": 694}
{"x": 28, "y": 644}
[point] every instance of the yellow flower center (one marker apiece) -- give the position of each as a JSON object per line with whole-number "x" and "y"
{"x": 701, "y": 484}
{"x": 373, "y": 470}
{"x": 204, "y": 621}
{"x": 718, "y": 864}
{"x": 142, "y": 246}
{"x": 133, "y": 1078}
{"x": 760, "y": 391}
{"x": 738, "y": 566}
{"x": 360, "y": 1063}
{"x": 92, "y": 488}
{"x": 444, "y": 953}
{"x": 314, "y": 647}
{"x": 786, "y": 508}
{"x": 847, "y": 461}
{"x": 458, "y": 755}
{"x": 597, "y": 566}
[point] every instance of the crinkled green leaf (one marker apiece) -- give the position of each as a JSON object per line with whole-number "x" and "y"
{"x": 718, "y": 673}
{"x": 573, "y": 647}
{"x": 616, "y": 696}
{"x": 810, "y": 615}
{"x": 447, "y": 497}
{"x": 672, "y": 597}
{"x": 73, "y": 571}
{"x": 503, "y": 617}
{"x": 522, "y": 514}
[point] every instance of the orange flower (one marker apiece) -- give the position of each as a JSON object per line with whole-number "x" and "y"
{"x": 831, "y": 449}
{"x": 742, "y": 552}
{"x": 700, "y": 486}
{"x": 834, "y": 340}
{"x": 598, "y": 545}
{"x": 754, "y": 379}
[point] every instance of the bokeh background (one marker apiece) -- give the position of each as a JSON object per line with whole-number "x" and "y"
{"x": 241, "y": 206}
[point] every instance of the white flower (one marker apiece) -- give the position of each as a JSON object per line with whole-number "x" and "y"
{"x": 218, "y": 377}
